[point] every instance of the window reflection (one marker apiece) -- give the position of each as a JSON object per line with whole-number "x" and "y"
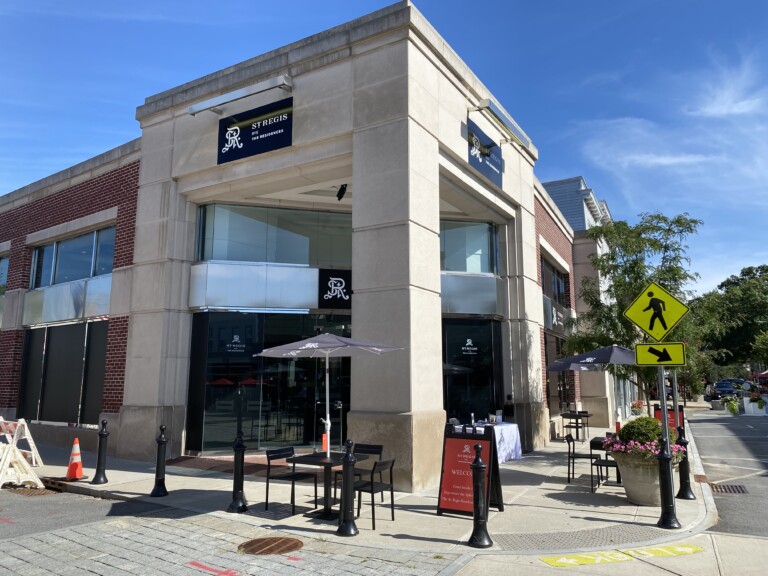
{"x": 276, "y": 235}
{"x": 84, "y": 256}
{"x": 467, "y": 247}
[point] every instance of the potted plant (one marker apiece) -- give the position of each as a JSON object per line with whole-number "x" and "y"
{"x": 636, "y": 448}
{"x": 754, "y": 405}
{"x": 637, "y": 407}
{"x": 732, "y": 405}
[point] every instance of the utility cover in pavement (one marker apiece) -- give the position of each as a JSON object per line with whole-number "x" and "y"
{"x": 263, "y": 546}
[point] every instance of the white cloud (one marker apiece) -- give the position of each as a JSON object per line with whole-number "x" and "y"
{"x": 735, "y": 90}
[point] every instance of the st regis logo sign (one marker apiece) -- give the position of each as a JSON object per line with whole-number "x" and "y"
{"x": 256, "y": 131}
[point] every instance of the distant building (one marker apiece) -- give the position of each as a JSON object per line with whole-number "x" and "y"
{"x": 362, "y": 181}
{"x": 599, "y": 392}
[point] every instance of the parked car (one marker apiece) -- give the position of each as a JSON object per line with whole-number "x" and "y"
{"x": 727, "y": 387}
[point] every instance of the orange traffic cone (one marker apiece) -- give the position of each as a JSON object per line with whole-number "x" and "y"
{"x": 75, "y": 468}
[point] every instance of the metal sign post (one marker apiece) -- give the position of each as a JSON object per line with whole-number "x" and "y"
{"x": 668, "y": 517}
{"x": 656, "y": 312}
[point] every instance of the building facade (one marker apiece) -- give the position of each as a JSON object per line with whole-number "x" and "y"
{"x": 362, "y": 181}
{"x": 606, "y": 397}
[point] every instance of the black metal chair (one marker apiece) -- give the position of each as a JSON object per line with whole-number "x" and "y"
{"x": 293, "y": 476}
{"x": 601, "y": 462}
{"x": 370, "y": 486}
{"x": 367, "y": 449}
{"x": 584, "y": 422}
{"x": 573, "y": 456}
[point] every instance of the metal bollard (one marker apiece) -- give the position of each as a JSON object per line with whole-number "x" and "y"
{"x": 668, "y": 518}
{"x": 238, "y": 504}
{"x": 480, "y": 537}
{"x": 347, "y": 526}
{"x": 685, "y": 492}
{"x": 101, "y": 463}
{"x": 159, "y": 489}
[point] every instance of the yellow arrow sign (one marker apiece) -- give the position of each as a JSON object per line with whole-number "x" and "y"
{"x": 655, "y": 311}
{"x": 661, "y": 354}
{"x": 613, "y": 556}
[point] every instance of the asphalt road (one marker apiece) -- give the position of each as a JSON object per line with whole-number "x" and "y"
{"x": 734, "y": 451}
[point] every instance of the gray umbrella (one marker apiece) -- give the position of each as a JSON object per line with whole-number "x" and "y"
{"x": 326, "y": 346}
{"x": 591, "y": 360}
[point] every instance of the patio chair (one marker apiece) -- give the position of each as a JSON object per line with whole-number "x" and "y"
{"x": 293, "y": 476}
{"x": 573, "y": 456}
{"x": 371, "y": 486}
{"x": 368, "y": 449}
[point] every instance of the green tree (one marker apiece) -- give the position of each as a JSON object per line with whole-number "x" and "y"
{"x": 743, "y": 314}
{"x": 760, "y": 348}
{"x": 652, "y": 250}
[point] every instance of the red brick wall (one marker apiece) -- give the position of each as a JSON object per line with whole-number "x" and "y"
{"x": 547, "y": 228}
{"x": 11, "y": 345}
{"x": 114, "y": 370}
{"x": 116, "y": 188}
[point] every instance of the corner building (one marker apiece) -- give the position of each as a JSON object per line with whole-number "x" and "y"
{"x": 362, "y": 181}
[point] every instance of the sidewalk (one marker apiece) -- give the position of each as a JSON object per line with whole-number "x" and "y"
{"x": 544, "y": 514}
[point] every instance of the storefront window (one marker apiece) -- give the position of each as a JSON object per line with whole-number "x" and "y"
{"x": 257, "y": 234}
{"x": 467, "y": 247}
{"x": 277, "y": 402}
{"x": 76, "y": 258}
{"x": 472, "y": 368}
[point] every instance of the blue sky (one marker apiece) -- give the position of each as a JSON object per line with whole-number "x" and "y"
{"x": 660, "y": 105}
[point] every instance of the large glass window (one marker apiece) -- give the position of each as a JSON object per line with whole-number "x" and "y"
{"x": 467, "y": 247}
{"x": 553, "y": 283}
{"x": 84, "y": 256}
{"x": 3, "y": 274}
{"x": 257, "y": 234}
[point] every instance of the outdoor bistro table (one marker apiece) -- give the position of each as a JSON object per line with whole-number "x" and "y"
{"x": 328, "y": 463}
{"x": 577, "y": 417}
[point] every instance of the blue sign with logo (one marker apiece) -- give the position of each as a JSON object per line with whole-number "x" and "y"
{"x": 484, "y": 154}
{"x": 256, "y": 131}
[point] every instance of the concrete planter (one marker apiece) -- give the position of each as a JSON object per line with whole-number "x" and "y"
{"x": 640, "y": 478}
{"x": 752, "y": 408}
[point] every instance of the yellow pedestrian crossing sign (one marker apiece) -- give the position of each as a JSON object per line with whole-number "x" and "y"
{"x": 660, "y": 354}
{"x": 655, "y": 311}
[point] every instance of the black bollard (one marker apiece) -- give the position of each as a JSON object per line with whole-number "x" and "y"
{"x": 685, "y": 492}
{"x": 668, "y": 518}
{"x": 480, "y": 537}
{"x": 238, "y": 504}
{"x": 101, "y": 463}
{"x": 159, "y": 489}
{"x": 347, "y": 526}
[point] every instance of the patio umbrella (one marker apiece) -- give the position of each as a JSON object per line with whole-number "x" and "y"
{"x": 591, "y": 360}
{"x": 326, "y": 346}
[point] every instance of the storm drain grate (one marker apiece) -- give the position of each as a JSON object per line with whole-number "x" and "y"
{"x": 264, "y": 546}
{"x": 729, "y": 488}
{"x": 31, "y": 491}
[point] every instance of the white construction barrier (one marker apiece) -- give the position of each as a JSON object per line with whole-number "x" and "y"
{"x": 14, "y": 431}
{"x": 14, "y": 468}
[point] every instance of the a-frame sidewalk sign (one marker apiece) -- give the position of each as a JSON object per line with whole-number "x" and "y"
{"x": 456, "y": 494}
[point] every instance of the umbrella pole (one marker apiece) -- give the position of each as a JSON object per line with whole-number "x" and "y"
{"x": 327, "y": 409}
{"x": 258, "y": 427}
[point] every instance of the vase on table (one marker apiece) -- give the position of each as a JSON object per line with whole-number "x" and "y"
{"x": 640, "y": 477}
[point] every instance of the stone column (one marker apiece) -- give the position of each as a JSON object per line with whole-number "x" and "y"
{"x": 397, "y": 399}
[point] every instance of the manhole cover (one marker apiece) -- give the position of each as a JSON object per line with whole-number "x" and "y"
{"x": 729, "y": 488}
{"x": 700, "y": 478}
{"x": 32, "y": 491}
{"x": 263, "y": 546}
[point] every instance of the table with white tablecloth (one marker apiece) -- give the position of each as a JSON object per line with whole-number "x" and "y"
{"x": 507, "y": 441}
{"x": 507, "y": 437}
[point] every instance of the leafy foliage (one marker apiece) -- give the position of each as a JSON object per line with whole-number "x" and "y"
{"x": 740, "y": 307}
{"x": 630, "y": 258}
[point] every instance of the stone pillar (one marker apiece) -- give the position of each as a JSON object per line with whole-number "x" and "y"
{"x": 397, "y": 399}
{"x": 157, "y": 359}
